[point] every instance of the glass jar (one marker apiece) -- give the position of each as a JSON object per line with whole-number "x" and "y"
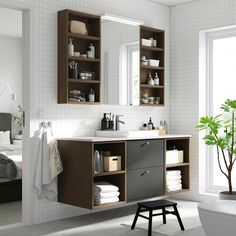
{"x": 145, "y": 93}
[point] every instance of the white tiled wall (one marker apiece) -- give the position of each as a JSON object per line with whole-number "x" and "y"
{"x": 186, "y": 22}
{"x": 83, "y": 119}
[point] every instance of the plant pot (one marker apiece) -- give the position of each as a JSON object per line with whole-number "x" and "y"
{"x": 226, "y": 196}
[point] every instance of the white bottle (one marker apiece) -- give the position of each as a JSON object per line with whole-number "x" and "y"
{"x": 156, "y": 79}
{"x": 150, "y": 79}
{"x": 97, "y": 162}
{"x": 71, "y": 48}
{"x": 91, "y": 95}
{"x": 92, "y": 48}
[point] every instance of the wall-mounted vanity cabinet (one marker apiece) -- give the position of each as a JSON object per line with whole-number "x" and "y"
{"x": 142, "y": 173}
{"x": 116, "y": 74}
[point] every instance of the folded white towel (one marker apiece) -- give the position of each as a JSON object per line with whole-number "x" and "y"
{"x": 104, "y": 187}
{"x": 105, "y": 200}
{"x": 174, "y": 187}
{"x": 173, "y": 182}
{"x": 173, "y": 172}
{"x": 174, "y": 177}
{"x": 106, "y": 195}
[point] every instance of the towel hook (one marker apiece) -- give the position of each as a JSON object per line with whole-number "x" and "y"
{"x": 43, "y": 124}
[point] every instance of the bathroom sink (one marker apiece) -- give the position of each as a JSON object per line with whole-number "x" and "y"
{"x": 127, "y": 134}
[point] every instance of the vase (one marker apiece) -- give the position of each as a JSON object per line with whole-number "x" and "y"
{"x": 226, "y": 196}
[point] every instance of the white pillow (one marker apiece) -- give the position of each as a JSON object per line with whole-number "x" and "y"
{"x": 5, "y": 137}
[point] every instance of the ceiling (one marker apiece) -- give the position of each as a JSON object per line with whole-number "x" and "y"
{"x": 172, "y": 2}
{"x": 10, "y": 22}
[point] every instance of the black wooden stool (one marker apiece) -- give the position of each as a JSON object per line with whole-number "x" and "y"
{"x": 156, "y": 205}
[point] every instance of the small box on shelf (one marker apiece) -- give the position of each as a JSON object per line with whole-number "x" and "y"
{"x": 174, "y": 157}
{"x": 112, "y": 163}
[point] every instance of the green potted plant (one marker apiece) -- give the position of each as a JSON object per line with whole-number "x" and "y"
{"x": 18, "y": 118}
{"x": 221, "y": 133}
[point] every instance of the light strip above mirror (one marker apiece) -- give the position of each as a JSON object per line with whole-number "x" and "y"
{"x": 121, "y": 19}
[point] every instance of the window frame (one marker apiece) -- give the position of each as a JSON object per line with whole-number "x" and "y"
{"x": 210, "y": 37}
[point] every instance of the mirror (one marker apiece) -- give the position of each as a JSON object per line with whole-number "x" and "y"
{"x": 119, "y": 62}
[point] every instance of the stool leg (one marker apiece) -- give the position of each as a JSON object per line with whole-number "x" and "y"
{"x": 179, "y": 219}
{"x": 150, "y": 224}
{"x": 164, "y": 215}
{"x": 136, "y": 217}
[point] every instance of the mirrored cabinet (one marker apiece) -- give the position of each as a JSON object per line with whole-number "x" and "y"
{"x": 109, "y": 60}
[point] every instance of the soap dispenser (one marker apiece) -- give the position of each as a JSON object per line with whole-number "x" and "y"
{"x": 150, "y": 124}
{"x": 104, "y": 122}
{"x": 150, "y": 80}
{"x": 156, "y": 79}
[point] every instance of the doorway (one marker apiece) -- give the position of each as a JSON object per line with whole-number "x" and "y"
{"x": 11, "y": 115}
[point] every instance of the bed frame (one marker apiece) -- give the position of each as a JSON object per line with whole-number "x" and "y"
{"x": 11, "y": 190}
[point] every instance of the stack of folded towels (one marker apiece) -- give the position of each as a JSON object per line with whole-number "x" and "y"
{"x": 105, "y": 193}
{"x": 173, "y": 180}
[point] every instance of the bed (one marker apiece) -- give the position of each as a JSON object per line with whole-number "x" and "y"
{"x": 11, "y": 190}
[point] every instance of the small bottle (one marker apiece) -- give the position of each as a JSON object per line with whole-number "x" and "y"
{"x": 92, "y": 48}
{"x": 89, "y": 53}
{"x": 98, "y": 164}
{"x": 165, "y": 126}
{"x": 150, "y": 80}
{"x": 156, "y": 79}
{"x": 91, "y": 95}
{"x": 150, "y": 124}
{"x": 104, "y": 122}
{"x": 70, "y": 48}
{"x": 161, "y": 128}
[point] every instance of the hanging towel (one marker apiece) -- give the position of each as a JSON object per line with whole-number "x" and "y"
{"x": 46, "y": 168}
{"x": 54, "y": 156}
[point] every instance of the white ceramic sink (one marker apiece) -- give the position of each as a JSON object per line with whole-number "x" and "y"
{"x": 127, "y": 134}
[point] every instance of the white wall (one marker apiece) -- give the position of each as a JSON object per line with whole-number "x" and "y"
{"x": 79, "y": 119}
{"x": 10, "y": 72}
{"x": 186, "y": 22}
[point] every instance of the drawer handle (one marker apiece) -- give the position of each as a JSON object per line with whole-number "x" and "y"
{"x": 145, "y": 173}
{"x": 144, "y": 144}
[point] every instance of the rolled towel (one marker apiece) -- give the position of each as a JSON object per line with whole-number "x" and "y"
{"x": 104, "y": 187}
{"x": 174, "y": 177}
{"x": 105, "y": 200}
{"x": 173, "y": 172}
{"x": 176, "y": 187}
{"x": 173, "y": 182}
{"x": 107, "y": 195}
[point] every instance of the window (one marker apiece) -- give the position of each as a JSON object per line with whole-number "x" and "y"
{"x": 129, "y": 86}
{"x": 221, "y": 85}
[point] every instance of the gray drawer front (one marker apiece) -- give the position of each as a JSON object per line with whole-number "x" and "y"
{"x": 141, "y": 185}
{"x": 145, "y": 153}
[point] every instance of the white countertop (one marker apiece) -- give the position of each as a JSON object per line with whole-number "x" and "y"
{"x": 105, "y": 139}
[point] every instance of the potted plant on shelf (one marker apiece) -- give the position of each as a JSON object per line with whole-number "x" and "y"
{"x": 221, "y": 133}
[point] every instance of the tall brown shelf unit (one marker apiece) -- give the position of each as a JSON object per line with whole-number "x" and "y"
{"x": 157, "y": 53}
{"x": 81, "y": 43}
